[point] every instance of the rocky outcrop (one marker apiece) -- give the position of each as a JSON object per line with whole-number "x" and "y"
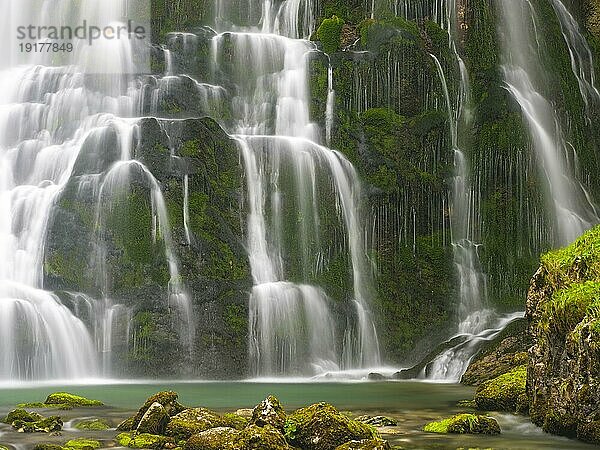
{"x": 563, "y": 309}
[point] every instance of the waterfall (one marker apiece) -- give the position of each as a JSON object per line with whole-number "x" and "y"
{"x": 51, "y": 119}
{"x": 293, "y": 321}
{"x": 523, "y": 73}
{"x": 582, "y": 62}
{"x": 330, "y": 107}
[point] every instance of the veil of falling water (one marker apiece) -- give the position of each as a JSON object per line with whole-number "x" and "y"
{"x": 292, "y": 323}
{"x": 523, "y": 64}
{"x": 48, "y": 115}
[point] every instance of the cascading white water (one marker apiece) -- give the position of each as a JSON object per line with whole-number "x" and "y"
{"x": 46, "y": 116}
{"x": 582, "y": 62}
{"x": 523, "y": 73}
{"x": 292, "y": 326}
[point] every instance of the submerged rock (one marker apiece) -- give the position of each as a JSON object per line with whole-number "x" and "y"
{"x": 378, "y": 421}
{"x": 464, "y": 424}
{"x": 504, "y": 393}
{"x": 365, "y": 444}
{"x": 269, "y": 412}
{"x": 154, "y": 421}
{"x": 322, "y": 427}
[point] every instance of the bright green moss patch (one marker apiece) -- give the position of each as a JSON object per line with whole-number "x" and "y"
{"x": 65, "y": 398}
{"x": 143, "y": 440}
{"x": 82, "y": 444}
{"x": 464, "y": 423}
{"x": 569, "y": 306}
{"x": 580, "y": 260}
{"x": 503, "y": 393}
{"x": 330, "y": 34}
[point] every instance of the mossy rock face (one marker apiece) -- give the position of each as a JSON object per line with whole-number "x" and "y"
{"x": 464, "y": 424}
{"x": 154, "y": 420}
{"x": 322, "y": 427}
{"x": 234, "y": 421}
{"x": 330, "y": 34}
{"x": 127, "y": 425}
{"x": 508, "y": 352}
{"x": 220, "y": 438}
{"x": 82, "y": 444}
{"x": 144, "y": 440}
{"x": 503, "y": 393}
{"x": 365, "y": 444}
{"x": 192, "y": 421}
{"x": 92, "y": 425}
{"x": 65, "y": 398}
{"x": 166, "y": 399}
{"x": 563, "y": 310}
{"x": 269, "y": 412}
{"x": 262, "y": 438}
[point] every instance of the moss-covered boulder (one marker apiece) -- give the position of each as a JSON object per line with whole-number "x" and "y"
{"x": 464, "y": 424}
{"x": 269, "y": 412}
{"x": 45, "y": 425}
{"x": 43, "y": 447}
{"x": 365, "y": 444}
{"x": 252, "y": 437}
{"x": 65, "y": 398}
{"x": 81, "y": 444}
{"x": 166, "y": 399}
{"x": 145, "y": 440}
{"x": 220, "y": 438}
{"x": 127, "y": 424}
{"x": 504, "y": 393}
{"x": 505, "y": 353}
{"x": 22, "y": 415}
{"x": 192, "y": 421}
{"x": 322, "y": 427}
{"x": 155, "y": 420}
{"x": 92, "y": 425}
{"x": 563, "y": 310}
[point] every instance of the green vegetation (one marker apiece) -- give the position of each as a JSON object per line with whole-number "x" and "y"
{"x": 64, "y": 398}
{"x": 464, "y": 423}
{"x": 82, "y": 444}
{"x": 92, "y": 425}
{"x": 504, "y": 393}
{"x": 329, "y": 33}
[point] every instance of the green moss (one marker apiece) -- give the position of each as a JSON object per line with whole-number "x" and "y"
{"x": 322, "y": 427}
{"x": 329, "y": 33}
{"x": 192, "y": 421}
{"x": 580, "y": 260}
{"x": 143, "y": 440}
{"x": 22, "y": 415}
{"x": 234, "y": 421}
{"x": 569, "y": 306}
{"x": 82, "y": 444}
{"x": 464, "y": 423}
{"x": 503, "y": 393}
{"x": 93, "y": 425}
{"x": 64, "y": 398}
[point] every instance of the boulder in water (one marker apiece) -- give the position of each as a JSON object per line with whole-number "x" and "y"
{"x": 45, "y": 425}
{"x": 322, "y": 427}
{"x": 167, "y": 399}
{"x": 22, "y": 415}
{"x": 464, "y": 424}
{"x": 92, "y": 425}
{"x": 503, "y": 393}
{"x": 192, "y": 421}
{"x": 220, "y": 438}
{"x": 378, "y": 421}
{"x": 252, "y": 437}
{"x": 269, "y": 412}
{"x": 154, "y": 421}
{"x": 144, "y": 440}
{"x": 65, "y": 398}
